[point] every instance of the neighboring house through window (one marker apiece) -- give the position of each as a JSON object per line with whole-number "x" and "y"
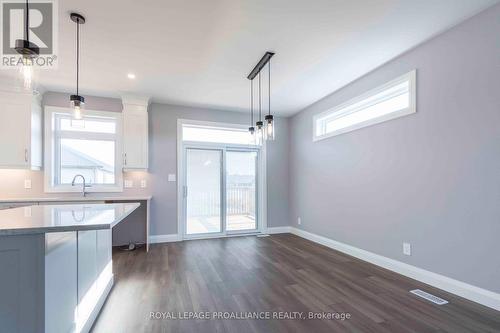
{"x": 75, "y": 162}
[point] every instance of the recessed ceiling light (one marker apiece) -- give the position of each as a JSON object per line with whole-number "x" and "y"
{"x": 131, "y": 76}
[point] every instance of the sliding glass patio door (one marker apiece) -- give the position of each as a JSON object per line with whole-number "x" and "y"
{"x": 220, "y": 191}
{"x": 241, "y": 195}
{"x": 203, "y": 191}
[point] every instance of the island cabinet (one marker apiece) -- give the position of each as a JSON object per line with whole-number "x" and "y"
{"x": 77, "y": 270}
{"x": 60, "y": 291}
{"x": 56, "y": 265}
{"x": 60, "y": 281}
{"x": 21, "y": 283}
{"x": 95, "y": 275}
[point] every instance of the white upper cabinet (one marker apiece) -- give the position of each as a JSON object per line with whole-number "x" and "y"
{"x": 135, "y": 133}
{"x": 20, "y": 130}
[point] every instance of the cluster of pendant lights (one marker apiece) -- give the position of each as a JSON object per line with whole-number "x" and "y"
{"x": 260, "y": 131}
{"x": 29, "y": 51}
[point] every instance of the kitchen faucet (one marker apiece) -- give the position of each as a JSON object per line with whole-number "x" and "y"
{"x": 84, "y": 185}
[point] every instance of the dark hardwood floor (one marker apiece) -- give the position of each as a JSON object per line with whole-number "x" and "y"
{"x": 276, "y": 273}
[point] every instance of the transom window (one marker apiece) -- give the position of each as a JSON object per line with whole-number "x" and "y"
{"x": 90, "y": 147}
{"x": 391, "y": 100}
{"x": 216, "y": 134}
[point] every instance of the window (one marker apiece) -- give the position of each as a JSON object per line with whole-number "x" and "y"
{"x": 216, "y": 134}
{"x": 90, "y": 147}
{"x": 391, "y": 100}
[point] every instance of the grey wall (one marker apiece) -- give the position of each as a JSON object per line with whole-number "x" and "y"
{"x": 163, "y": 160}
{"x": 432, "y": 178}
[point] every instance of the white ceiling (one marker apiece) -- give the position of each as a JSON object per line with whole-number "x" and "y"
{"x": 199, "y": 52}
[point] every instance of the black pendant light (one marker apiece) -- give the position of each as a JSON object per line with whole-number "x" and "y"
{"x": 77, "y": 101}
{"x": 28, "y": 50}
{"x": 262, "y": 133}
{"x": 269, "y": 131}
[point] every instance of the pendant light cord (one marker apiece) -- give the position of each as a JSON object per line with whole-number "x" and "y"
{"x": 269, "y": 86}
{"x": 251, "y": 102}
{"x": 77, "y": 56}
{"x": 260, "y": 101}
{"x": 27, "y": 21}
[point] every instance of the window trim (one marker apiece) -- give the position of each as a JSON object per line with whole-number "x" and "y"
{"x": 339, "y": 110}
{"x": 49, "y": 138}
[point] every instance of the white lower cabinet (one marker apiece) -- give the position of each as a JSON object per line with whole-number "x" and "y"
{"x": 95, "y": 274}
{"x": 21, "y": 283}
{"x": 104, "y": 253}
{"x": 78, "y": 275}
{"x": 60, "y": 281}
{"x": 87, "y": 265}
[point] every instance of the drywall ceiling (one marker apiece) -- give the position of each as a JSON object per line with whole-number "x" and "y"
{"x": 198, "y": 52}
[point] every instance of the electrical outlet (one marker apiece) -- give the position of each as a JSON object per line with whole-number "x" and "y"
{"x": 171, "y": 177}
{"x": 407, "y": 249}
{"x": 27, "y": 211}
{"x": 143, "y": 183}
{"x": 128, "y": 183}
{"x": 299, "y": 221}
{"x": 27, "y": 183}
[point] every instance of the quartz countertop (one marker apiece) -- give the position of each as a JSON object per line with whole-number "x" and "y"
{"x": 75, "y": 198}
{"x": 38, "y": 219}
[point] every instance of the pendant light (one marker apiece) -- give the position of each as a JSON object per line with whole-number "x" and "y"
{"x": 260, "y": 123}
{"x": 251, "y": 129}
{"x": 77, "y": 101}
{"x": 269, "y": 131}
{"x": 29, "y": 51}
{"x": 261, "y": 132}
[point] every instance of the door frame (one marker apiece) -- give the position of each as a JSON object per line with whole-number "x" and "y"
{"x": 261, "y": 203}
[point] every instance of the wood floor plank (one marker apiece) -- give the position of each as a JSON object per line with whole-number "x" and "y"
{"x": 276, "y": 275}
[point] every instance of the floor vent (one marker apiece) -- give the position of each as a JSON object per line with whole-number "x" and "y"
{"x": 264, "y": 235}
{"x": 429, "y": 297}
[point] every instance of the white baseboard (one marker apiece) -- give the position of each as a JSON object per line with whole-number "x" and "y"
{"x": 470, "y": 292}
{"x": 153, "y": 239}
{"x": 168, "y": 238}
{"x": 279, "y": 230}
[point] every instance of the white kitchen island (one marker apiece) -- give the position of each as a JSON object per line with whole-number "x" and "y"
{"x": 56, "y": 265}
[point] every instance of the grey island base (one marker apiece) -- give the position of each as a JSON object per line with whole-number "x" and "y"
{"x": 55, "y": 265}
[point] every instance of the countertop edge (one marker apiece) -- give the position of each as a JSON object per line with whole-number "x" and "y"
{"x": 45, "y": 230}
{"x": 70, "y": 199}
{"x": 66, "y": 228}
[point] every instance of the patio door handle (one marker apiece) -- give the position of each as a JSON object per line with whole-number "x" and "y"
{"x": 185, "y": 191}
